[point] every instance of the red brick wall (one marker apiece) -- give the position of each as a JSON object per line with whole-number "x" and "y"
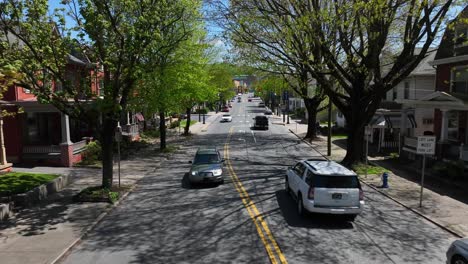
{"x": 443, "y": 75}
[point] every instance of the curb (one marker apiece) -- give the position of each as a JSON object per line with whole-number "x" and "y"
{"x": 435, "y": 222}
{"x": 78, "y": 240}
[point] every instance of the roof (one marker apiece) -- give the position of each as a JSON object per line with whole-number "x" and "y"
{"x": 329, "y": 168}
{"x": 424, "y": 68}
{"x": 447, "y": 44}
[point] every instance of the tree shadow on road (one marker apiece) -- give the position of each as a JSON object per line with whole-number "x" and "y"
{"x": 287, "y": 206}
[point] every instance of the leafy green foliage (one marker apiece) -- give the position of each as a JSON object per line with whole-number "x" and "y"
{"x": 21, "y": 182}
{"x": 92, "y": 153}
{"x": 360, "y": 169}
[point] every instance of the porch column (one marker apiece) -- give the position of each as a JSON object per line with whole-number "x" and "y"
{"x": 66, "y": 147}
{"x": 128, "y": 117}
{"x": 65, "y": 129}
{"x": 404, "y": 118}
{"x": 3, "y": 160}
{"x": 444, "y": 126}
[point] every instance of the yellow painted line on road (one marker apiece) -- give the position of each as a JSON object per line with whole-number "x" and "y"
{"x": 263, "y": 230}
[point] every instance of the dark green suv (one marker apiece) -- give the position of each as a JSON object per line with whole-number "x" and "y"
{"x": 207, "y": 166}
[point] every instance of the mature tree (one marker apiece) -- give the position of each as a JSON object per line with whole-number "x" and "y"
{"x": 221, "y": 79}
{"x": 122, "y": 36}
{"x": 352, "y": 39}
{"x": 267, "y": 40}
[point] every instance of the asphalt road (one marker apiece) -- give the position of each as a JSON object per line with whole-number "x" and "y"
{"x": 250, "y": 219}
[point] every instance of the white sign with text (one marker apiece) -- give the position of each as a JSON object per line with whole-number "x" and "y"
{"x": 426, "y": 145}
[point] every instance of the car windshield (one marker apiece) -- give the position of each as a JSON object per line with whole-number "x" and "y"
{"x": 206, "y": 158}
{"x": 336, "y": 182}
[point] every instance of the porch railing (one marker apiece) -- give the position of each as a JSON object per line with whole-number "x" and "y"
{"x": 79, "y": 146}
{"x": 463, "y": 152}
{"x": 130, "y": 130}
{"x": 411, "y": 142}
{"x": 41, "y": 149}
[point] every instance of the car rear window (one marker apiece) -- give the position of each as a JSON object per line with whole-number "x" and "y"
{"x": 336, "y": 182}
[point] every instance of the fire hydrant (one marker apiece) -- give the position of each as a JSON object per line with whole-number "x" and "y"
{"x": 385, "y": 180}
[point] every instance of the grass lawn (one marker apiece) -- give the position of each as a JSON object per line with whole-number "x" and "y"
{"x": 360, "y": 169}
{"x": 183, "y": 123}
{"x": 21, "y": 182}
{"x": 339, "y": 136}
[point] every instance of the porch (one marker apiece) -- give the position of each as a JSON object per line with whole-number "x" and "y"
{"x": 450, "y": 123}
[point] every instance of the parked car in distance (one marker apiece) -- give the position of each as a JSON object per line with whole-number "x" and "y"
{"x": 323, "y": 186}
{"x": 225, "y": 109}
{"x": 249, "y": 100}
{"x": 239, "y": 99}
{"x": 207, "y": 166}
{"x": 261, "y": 104}
{"x": 230, "y": 105}
{"x": 268, "y": 112}
{"x": 226, "y": 118}
{"x": 458, "y": 252}
{"x": 260, "y": 122}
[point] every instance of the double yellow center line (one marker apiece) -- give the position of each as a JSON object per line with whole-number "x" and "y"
{"x": 271, "y": 246}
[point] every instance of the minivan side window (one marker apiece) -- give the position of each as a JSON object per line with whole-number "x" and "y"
{"x": 299, "y": 169}
{"x": 309, "y": 179}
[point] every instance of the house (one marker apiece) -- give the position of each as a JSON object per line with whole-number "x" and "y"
{"x": 42, "y": 134}
{"x": 392, "y": 119}
{"x": 448, "y": 102}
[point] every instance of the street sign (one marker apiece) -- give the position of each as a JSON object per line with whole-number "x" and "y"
{"x": 426, "y": 145}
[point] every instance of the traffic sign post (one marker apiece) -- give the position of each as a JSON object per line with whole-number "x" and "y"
{"x": 425, "y": 146}
{"x": 118, "y": 139}
{"x": 367, "y": 135}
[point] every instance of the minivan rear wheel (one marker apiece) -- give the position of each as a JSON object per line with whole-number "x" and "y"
{"x": 300, "y": 206}
{"x": 459, "y": 260}
{"x": 350, "y": 218}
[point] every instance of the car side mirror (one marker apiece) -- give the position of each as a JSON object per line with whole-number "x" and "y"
{"x": 190, "y": 161}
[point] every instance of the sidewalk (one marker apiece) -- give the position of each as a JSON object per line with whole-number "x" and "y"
{"x": 199, "y": 127}
{"x": 43, "y": 233}
{"x": 438, "y": 207}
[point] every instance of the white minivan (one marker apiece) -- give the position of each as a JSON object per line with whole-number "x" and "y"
{"x": 323, "y": 186}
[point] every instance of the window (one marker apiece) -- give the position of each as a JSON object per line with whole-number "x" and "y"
{"x": 101, "y": 87}
{"x": 460, "y": 80}
{"x": 58, "y": 86}
{"x": 407, "y": 89}
{"x": 452, "y": 130}
{"x": 299, "y": 169}
{"x": 26, "y": 91}
{"x": 395, "y": 93}
{"x": 428, "y": 121}
{"x": 309, "y": 178}
{"x": 461, "y": 36}
{"x": 336, "y": 182}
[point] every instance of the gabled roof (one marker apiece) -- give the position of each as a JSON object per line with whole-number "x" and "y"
{"x": 439, "y": 96}
{"x": 447, "y": 44}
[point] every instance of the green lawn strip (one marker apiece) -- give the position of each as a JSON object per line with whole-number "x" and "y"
{"x": 21, "y": 182}
{"x": 339, "y": 136}
{"x": 360, "y": 169}
{"x": 183, "y": 123}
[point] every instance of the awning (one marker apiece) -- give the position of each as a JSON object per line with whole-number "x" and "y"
{"x": 139, "y": 117}
{"x": 392, "y": 121}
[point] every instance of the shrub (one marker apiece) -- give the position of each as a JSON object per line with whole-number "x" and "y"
{"x": 174, "y": 124}
{"x": 92, "y": 153}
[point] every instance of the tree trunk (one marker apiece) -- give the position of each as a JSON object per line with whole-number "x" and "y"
{"x": 162, "y": 130}
{"x": 107, "y": 143}
{"x": 354, "y": 144}
{"x": 187, "y": 125}
{"x": 311, "y": 107}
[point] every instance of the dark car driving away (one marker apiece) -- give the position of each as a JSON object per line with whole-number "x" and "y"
{"x": 207, "y": 166}
{"x": 261, "y": 122}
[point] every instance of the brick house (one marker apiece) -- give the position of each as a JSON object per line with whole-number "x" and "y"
{"x": 42, "y": 134}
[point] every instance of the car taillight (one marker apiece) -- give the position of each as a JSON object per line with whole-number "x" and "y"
{"x": 361, "y": 195}
{"x": 311, "y": 193}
